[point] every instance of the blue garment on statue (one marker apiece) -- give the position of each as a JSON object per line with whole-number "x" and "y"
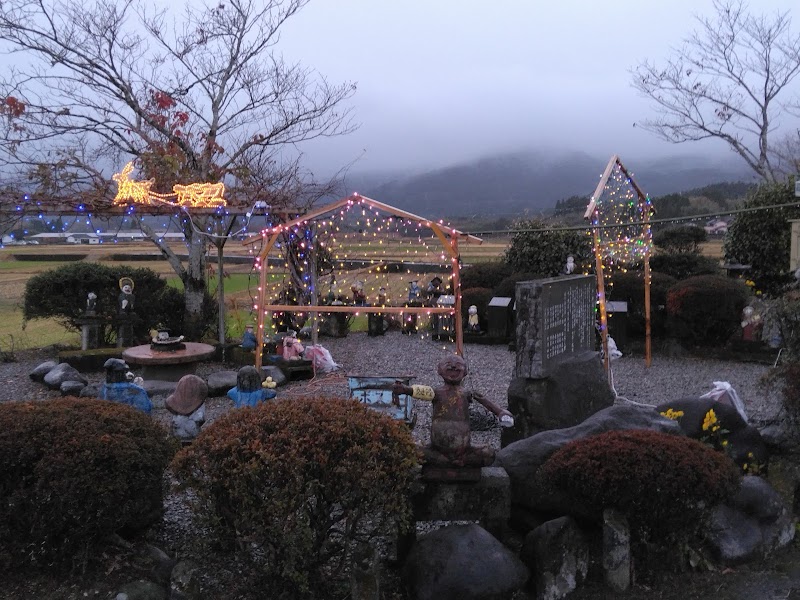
{"x": 127, "y": 393}
{"x": 249, "y": 341}
{"x": 241, "y": 399}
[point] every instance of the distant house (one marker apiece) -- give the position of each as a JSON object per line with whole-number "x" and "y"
{"x": 716, "y": 227}
{"x": 7, "y": 239}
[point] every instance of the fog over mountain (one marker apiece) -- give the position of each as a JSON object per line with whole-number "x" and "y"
{"x": 532, "y": 181}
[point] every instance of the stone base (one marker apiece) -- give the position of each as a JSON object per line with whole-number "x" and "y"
{"x": 487, "y": 500}
{"x": 451, "y": 475}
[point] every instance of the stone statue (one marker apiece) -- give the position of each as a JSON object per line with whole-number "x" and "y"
{"x": 434, "y": 289}
{"x": 292, "y": 348}
{"x": 118, "y": 388}
{"x": 91, "y": 303}
{"x": 382, "y": 296}
{"x": 188, "y": 407}
{"x": 473, "y": 323}
{"x": 413, "y": 290}
{"x": 359, "y": 298}
{"x": 450, "y": 444}
{"x": 248, "y": 390}
{"x": 569, "y": 268}
{"x": 249, "y": 338}
{"x": 126, "y": 296}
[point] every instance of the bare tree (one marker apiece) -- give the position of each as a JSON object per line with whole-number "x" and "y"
{"x": 731, "y": 80}
{"x": 203, "y": 97}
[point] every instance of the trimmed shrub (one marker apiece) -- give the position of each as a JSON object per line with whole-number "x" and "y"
{"x": 680, "y": 239}
{"x": 298, "y": 483}
{"x": 706, "y": 310}
{"x": 664, "y": 484}
{"x": 545, "y": 251}
{"x": 61, "y": 293}
{"x": 480, "y": 297}
{"x": 484, "y": 275}
{"x": 629, "y": 287}
{"x": 72, "y": 472}
{"x": 508, "y": 287}
{"x": 681, "y": 266}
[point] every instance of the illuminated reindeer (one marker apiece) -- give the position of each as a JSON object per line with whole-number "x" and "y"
{"x": 129, "y": 190}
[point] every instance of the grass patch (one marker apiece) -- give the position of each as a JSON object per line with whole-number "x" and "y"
{"x": 36, "y": 334}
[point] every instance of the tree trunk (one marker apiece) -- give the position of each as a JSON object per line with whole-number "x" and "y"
{"x": 194, "y": 284}
{"x": 221, "y": 296}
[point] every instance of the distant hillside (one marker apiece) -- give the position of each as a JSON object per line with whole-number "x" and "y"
{"x": 511, "y": 184}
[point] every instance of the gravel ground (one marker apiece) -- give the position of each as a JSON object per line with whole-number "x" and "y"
{"x": 491, "y": 369}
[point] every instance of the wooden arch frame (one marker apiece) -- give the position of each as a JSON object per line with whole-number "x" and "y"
{"x": 447, "y": 236}
{"x": 598, "y": 253}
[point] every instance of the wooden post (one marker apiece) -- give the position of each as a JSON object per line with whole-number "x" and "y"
{"x": 314, "y": 293}
{"x": 262, "y": 294}
{"x": 648, "y": 353}
{"x": 601, "y": 298}
{"x": 459, "y": 326}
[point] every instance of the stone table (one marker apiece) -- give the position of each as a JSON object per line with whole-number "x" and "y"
{"x": 168, "y": 365}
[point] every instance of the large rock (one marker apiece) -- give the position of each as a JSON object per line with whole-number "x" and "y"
{"x": 576, "y": 388}
{"x": 187, "y": 427}
{"x": 522, "y": 459}
{"x": 557, "y": 554}
{"x": 616, "y": 551}
{"x": 72, "y": 388}
{"x": 43, "y": 369}
{"x": 752, "y": 524}
{"x": 190, "y": 393}
{"x": 462, "y": 562}
{"x": 220, "y": 382}
{"x": 141, "y": 590}
{"x": 61, "y": 373}
{"x": 159, "y": 387}
{"x": 272, "y": 371}
{"x": 745, "y": 445}
{"x": 91, "y": 391}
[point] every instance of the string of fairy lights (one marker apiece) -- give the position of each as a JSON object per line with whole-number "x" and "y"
{"x": 361, "y": 255}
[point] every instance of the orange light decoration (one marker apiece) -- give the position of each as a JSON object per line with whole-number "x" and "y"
{"x": 193, "y": 195}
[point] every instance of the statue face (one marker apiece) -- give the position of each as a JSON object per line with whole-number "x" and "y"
{"x": 453, "y": 369}
{"x": 126, "y": 289}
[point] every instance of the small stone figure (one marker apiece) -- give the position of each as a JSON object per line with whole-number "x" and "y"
{"x": 570, "y": 266}
{"x": 126, "y": 297}
{"x": 450, "y": 444}
{"x": 249, "y": 338}
{"x": 292, "y": 348}
{"x": 188, "y": 407}
{"x": 117, "y": 388}
{"x": 382, "y": 296}
{"x": 413, "y": 290}
{"x": 248, "y": 390}
{"x": 751, "y": 324}
{"x": 434, "y": 289}
{"x": 91, "y": 303}
{"x": 473, "y": 323}
{"x": 359, "y": 298}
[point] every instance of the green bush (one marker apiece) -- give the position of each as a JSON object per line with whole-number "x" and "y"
{"x": 629, "y": 287}
{"x": 72, "y": 472}
{"x": 681, "y": 266}
{"x": 664, "y": 484}
{"x": 299, "y": 482}
{"x": 545, "y": 251}
{"x": 706, "y": 310}
{"x": 480, "y": 297}
{"x": 508, "y": 287}
{"x": 761, "y": 238}
{"x": 681, "y": 239}
{"x": 61, "y": 293}
{"x": 484, "y": 275}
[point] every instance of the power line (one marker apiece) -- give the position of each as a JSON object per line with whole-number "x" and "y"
{"x": 651, "y": 222}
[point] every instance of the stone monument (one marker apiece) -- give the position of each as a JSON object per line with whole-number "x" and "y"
{"x": 559, "y": 377}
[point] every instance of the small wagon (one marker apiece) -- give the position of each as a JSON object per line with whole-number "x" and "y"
{"x": 376, "y": 393}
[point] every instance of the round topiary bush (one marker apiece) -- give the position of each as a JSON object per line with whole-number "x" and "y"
{"x": 706, "y": 310}
{"x": 298, "y": 483}
{"x": 73, "y": 471}
{"x": 485, "y": 275}
{"x": 629, "y": 287}
{"x": 664, "y": 484}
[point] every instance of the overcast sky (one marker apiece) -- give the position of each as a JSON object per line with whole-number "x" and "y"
{"x": 440, "y": 81}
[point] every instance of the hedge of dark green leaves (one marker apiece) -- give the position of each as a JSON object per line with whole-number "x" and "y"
{"x": 72, "y": 472}
{"x": 296, "y": 483}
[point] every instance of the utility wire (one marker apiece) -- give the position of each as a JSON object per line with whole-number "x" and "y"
{"x": 630, "y": 224}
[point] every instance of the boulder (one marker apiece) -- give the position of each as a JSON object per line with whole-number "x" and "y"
{"x": 190, "y": 393}
{"x": 274, "y": 372}
{"x": 557, "y": 554}
{"x": 61, "y": 373}
{"x": 220, "y": 382}
{"x": 185, "y": 581}
{"x": 462, "y": 562}
{"x": 522, "y": 459}
{"x": 91, "y": 391}
{"x": 158, "y": 387}
{"x": 187, "y": 427}
{"x": 745, "y": 445}
{"x": 141, "y": 590}
{"x": 576, "y": 388}
{"x": 755, "y": 522}
{"x": 616, "y": 551}
{"x": 43, "y": 369}
{"x": 72, "y": 388}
